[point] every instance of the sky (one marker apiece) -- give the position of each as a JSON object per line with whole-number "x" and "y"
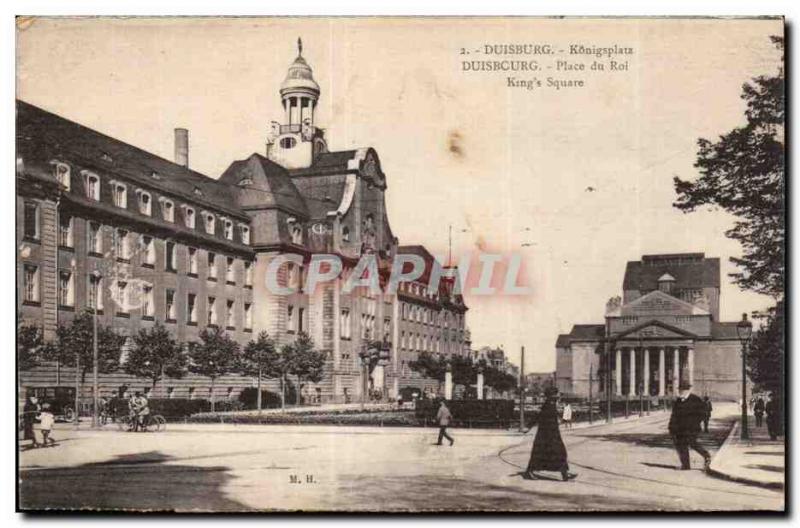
{"x": 576, "y": 181}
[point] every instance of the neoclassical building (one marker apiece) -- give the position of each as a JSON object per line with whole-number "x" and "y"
{"x": 104, "y": 224}
{"x": 663, "y": 330}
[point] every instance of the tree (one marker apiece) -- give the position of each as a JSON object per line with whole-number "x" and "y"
{"x": 464, "y": 372}
{"x": 215, "y": 355}
{"x": 260, "y": 358}
{"x": 30, "y": 347}
{"x": 743, "y": 173}
{"x": 74, "y": 346}
{"x": 499, "y": 380}
{"x": 304, "y": 362}
{"x": 765, "y": 357}
{"x": 430, "y": 366}
{"x": 154, "y": 354}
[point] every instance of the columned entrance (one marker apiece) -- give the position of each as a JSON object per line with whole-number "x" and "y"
{"x": 654, "y": 369}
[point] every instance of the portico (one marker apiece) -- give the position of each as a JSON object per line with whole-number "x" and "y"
{"x": 652, "y": 369}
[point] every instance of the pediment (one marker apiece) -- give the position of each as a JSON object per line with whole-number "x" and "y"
{"x": 655, "y": 329}
{"x": 660, "y": 303}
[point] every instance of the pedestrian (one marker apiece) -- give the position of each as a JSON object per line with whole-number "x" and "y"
{"x": 444, "y": 418}
{"x": 46, "y": 421}
{"x": 758, "y": 409}
{"x": 549, "y": 452}
{"x": 566, "y": 416}
{"x": 773, "y": 417}
{"x": 29, "y": 412}
{"x": 684, "y": 425}
{"x": 707, "y": 417}
{"x": 399, "y": 400}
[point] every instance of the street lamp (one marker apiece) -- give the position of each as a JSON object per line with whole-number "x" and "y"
{"x": 744, "y": 330}
{"x": 95, "y": 386}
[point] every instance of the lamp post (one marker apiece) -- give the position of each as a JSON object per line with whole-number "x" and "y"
{"x": 95, "y": 386}
{"x": 744, "y": 330}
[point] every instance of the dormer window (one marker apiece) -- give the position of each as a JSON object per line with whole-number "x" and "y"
{"x": 244, "y": 182}
{"x": 91, "y": 183}
{"x": 288, "y": 142}
{"x": 119, "y": 194}
{"x": 228, "y": 228}
{"x": 209, "y": 221}
{"x": 145, "y": 202}
{"x": 198, "y": 191}
{"x": 665, "y": 283}
{"x": 105, "y": 156}
{"x": 62, "y": 173}
{"x": 297, "y": 235}
{"x": 245, "y": 233}
{"x": 167, "y": 209}
{"x": 155, "y": 175}
{"x": 189, "y": 217}
{"x": 345, "y": 234}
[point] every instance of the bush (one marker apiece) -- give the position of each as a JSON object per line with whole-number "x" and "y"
{"x": 269, "y": 400}
{"x": 469, "y": 413}
{"x": 407, "y": 393}
{"x": 176, "y": 408}
{"x": 382, "y": 418}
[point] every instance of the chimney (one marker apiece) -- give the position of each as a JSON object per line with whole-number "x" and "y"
{"x": 182, "y": 147}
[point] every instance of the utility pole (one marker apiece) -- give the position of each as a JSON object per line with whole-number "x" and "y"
{"x": 591, "y": 403}
{"x": 522, "y": 391}
{"x": 95, "y": 385}
{"x": 607, "y": 347}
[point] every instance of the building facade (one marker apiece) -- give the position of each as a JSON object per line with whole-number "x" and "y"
{"x": 102, "y": 224}
{"x": 663, "y": 330}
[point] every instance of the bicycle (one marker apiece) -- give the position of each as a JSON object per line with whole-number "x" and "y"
{"x": 152, "y": 423}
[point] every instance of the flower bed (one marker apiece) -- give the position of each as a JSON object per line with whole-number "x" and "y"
{"x": 334, "y": 417}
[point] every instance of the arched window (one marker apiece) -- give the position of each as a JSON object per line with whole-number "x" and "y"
{"x": 288, "y": 142}
{"x": 345, "y": 234}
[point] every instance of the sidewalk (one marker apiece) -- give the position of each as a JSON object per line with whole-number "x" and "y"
{"x": 757, "y": 462}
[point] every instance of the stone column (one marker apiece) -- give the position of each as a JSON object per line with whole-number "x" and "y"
{"x": 676, "y": 370}
{"x": 619, "y": 372}
{"x": 480, "y": 384}
{"x": 632, "y": 369}
{"x": 690, "y": 364}
{"x": 646, "y": 371}
{"x": 662, "y": 372}
{"x": 448, "y": 384}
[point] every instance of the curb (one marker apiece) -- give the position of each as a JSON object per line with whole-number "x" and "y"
{"x": 735, "y": 478}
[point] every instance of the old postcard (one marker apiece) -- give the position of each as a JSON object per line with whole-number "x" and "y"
{"x": 400, "y": 264}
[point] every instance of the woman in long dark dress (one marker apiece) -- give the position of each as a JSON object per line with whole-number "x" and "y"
{"x": 549, "y": 452}
{"x": 29, "y": 412}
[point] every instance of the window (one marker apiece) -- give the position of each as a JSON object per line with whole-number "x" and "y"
{"x": 245, "y": 233}
{"x": 345, "y": 234}
{"x": 193, "y": 261}
{"x": 62, "y": 174}
{"x": 91, "y": 184}
{"x": 121, "y": 248}
{"x": 148, "y": 251}
{"x": 95, "y": 299}
{"x": 65, "y": 231}
{"x": 248, "y": 273}
{"x": 94, "y": 240}
{"x": 171, "y": 257}
{"x": 293, "y": 280}
{"x": 31, "y": 283}
{"x": 167, "y": 209}
{"x": 229, "y": 315}
{"x": 290, "y": 326}
{"x": 145, "y": 202}
{"x": 147, "y": 301}
{"x": 228, "y": 228}
{"x": 229, "y": 275}
{"x": 189, "y": 217}
{"x": 121, "y": 296}
{"x": 191, "y": 308}
{"x": 209, "y": 221}
{"x": 212, "y": 266}
{"x": 169, "y": 306}
{"x": 119, "y": 194}
{"x": 32, "y": 220}
{"x": 248, "y": 316}
{"x": 288, "y": 142}
{"x": 297, "y": 235}
{"x": 300, "y": 315}
{"x": 66, "y": 291}
{"x": 211, "y": 316}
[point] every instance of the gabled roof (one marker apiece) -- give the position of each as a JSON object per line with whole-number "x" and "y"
{"x": 44, "y": 136}
{"x": 327, "y": 163}
{"x": 263, "y": 184}
{"x": 690, "y": 270}
{"x": 658, "y": 294}
{"x": 655, "y": 322}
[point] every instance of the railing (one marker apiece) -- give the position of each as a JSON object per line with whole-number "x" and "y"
{"x": 286, "y": 129}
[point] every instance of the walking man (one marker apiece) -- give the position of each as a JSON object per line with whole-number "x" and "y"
{"x": 759, "y": 408}
{"x": 444, "y": 417}
{"x": 684, "y": 425}
{"x": 773, "y": 417}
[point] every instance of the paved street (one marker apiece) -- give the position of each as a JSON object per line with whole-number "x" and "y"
{"x": 625, "y": 466}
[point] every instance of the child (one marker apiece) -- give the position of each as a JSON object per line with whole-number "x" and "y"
{"x": 46, "y": 420}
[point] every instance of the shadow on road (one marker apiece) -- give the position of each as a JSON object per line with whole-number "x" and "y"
{"x": 715, "y": 436}
{"x": 130, "y": 482}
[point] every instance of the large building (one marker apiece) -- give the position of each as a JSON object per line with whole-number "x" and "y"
{"x": 145, "y": 240}
{"x": 664, "y": 329}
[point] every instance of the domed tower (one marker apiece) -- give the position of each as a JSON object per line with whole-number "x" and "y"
{"x": 296, "y": 142}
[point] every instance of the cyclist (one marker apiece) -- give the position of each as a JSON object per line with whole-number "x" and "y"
{"x": 142, "y": 410}
{"x": 133, "y": 412}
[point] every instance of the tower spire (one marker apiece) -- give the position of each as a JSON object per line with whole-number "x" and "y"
{"x": 299, "y": 47}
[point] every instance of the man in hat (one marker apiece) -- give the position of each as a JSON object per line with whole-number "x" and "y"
{"x": 688, "y": 412}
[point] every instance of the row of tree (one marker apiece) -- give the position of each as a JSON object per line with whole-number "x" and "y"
{"x": 154, "y": 354}
{"x": 463, "y": 370}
